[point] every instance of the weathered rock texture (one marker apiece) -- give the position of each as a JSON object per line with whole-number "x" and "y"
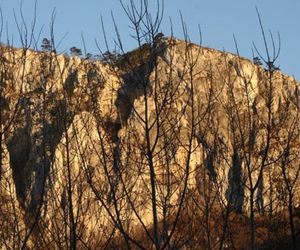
{"x": 164, "y": 120}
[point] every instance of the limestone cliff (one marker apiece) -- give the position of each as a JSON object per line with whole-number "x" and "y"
{"x": 167, "y": 119}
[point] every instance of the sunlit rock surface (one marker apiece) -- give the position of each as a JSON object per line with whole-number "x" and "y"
{"x": 205, "y": 122}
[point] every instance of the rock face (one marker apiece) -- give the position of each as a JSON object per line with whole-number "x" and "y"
{"x": 39, "y": 102}
{"x": 133, "y": 140}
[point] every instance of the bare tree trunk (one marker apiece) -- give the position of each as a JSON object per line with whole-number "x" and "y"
{"x": 69, "y": 191}
{"x": 252, "y": 223}
{"x": 291, "y": 220}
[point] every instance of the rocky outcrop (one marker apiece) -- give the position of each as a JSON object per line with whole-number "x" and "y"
{"x": 161, "y": 120}
{"x": 42, "y": 92}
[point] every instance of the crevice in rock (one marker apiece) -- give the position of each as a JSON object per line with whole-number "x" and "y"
{"x": 32, "y": 143}
{"x": 235, "y": 190}
{"x": 137, "y": 66}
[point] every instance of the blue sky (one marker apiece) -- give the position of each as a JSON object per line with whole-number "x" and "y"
{"x": 218, "y": 19}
